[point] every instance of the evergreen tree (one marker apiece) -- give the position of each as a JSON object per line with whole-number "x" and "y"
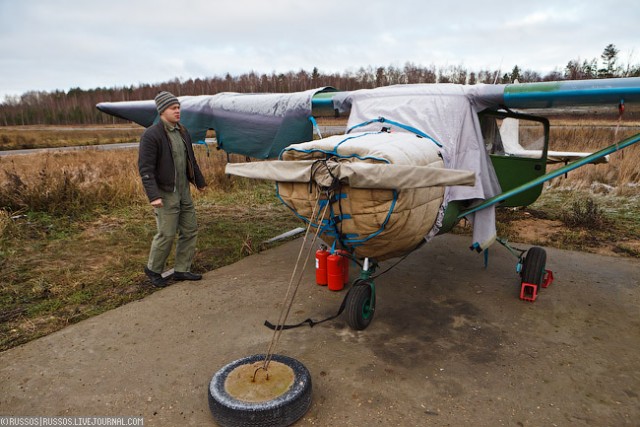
{"x": 609, "y": 56}
{"x": 515, "y": 74}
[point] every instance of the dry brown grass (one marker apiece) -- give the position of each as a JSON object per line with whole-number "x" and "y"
{"x": 75, "y": 229}
{"x": 620, "y": 175}
{"x": 25, "y": 137}
{"x": 68, "y": 182}
{"x": 73, "y": 182}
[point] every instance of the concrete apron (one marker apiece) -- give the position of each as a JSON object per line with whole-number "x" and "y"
{"x": 450, "y": 344}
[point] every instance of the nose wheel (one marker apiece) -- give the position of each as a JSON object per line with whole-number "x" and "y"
{"x": 360, "y": 304}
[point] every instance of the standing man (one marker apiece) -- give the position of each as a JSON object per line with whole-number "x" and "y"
{"x": 167, "y": 165}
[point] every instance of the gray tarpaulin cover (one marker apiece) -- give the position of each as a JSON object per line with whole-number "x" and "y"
{"x": 256, "y": 125}
{"x": 262, "y": 125}
{"x": 380, "y": 224}
{"x": 447, "y": 113}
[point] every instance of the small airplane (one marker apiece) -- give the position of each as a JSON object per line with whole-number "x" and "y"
{"x": 415, "y": 160}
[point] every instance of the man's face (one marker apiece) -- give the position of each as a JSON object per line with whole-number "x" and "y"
{"x": 171, "y": 114}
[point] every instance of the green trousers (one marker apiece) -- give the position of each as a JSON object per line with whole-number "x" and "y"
{"x": 177, "y": 216}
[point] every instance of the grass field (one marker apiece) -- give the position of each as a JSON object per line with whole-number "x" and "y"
{"x": 26, "y": 137}
{"x": 75, "y": 227}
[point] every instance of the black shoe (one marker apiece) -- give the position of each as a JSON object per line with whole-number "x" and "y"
{"x": 186, "y": 275}
{"x": 156, "y": 278}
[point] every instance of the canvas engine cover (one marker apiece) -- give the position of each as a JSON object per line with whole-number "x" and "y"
{"x": 374, "y": 223}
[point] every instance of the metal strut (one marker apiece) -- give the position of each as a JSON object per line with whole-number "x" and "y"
{"x": 511, "y": 249}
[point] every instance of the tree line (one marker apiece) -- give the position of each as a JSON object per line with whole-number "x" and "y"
{"x": 77, "y": 106}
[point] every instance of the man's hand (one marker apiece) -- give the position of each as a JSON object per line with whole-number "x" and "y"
{"x": 157, "y": 203}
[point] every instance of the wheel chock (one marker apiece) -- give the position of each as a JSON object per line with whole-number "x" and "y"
{"x": 548, "y": 278}
{"x": 528, "y": 292}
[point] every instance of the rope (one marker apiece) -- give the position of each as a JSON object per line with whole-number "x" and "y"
{"x": 393, "y": 266}
{"x": 309, "y": 321}
{"x": 288, "y": 303}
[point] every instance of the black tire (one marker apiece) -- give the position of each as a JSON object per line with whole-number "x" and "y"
{"x": 533, "y": 267}
{"x": 360, "y": 305}
{"x": 282, "y": 411}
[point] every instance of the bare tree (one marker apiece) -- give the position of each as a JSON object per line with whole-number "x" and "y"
{"x": 77, "y": 106}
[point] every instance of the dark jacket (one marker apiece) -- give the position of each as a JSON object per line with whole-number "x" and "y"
{"x": 155, "y": 161}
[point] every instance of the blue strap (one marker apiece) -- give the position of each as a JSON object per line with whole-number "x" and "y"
{"x": 315, "y": 125}
{"x": 400, "y": 125}
{"x": 379, "y": 119}
{"x": 203, "y": 142}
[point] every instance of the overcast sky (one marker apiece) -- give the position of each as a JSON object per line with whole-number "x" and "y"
{"x": 47, "y": 45}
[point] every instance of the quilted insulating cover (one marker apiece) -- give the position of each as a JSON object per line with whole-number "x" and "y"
{"x": 373, "y": 223}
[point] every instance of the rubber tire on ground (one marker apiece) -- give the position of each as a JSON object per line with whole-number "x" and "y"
{"x": 360, "y": 305}
{"x": 279, "y": 412}
{"x": 533, "y": 267}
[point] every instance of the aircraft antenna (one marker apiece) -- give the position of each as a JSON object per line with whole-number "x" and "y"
{"x": 495, "y": 79}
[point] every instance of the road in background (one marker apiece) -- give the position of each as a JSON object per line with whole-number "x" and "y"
{"x": 324, "y": 130}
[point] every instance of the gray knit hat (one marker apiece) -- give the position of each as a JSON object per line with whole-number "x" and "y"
{"x": 164, "y": 100}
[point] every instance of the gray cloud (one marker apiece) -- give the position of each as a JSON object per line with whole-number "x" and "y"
{"x": 48, "y": 45}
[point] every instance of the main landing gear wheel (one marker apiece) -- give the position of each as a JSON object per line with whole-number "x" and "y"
{"x": 533, "y": 267}
{"x": 243, "y": 394}
{"x": 360, "y": 305}
{"x": 533, "y": 274}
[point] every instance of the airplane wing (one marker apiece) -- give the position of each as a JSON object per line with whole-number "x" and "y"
{"x": 143, "y": 113}
{"x": 572, "y": 93}
{"x": 439, "y": 119}
{"x": 255, "y": 125}
{"x": 261, "y": 125}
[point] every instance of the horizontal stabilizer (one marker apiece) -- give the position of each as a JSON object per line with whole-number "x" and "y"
{"x": 510, "y": 137}
{"x": 557, "y": 156}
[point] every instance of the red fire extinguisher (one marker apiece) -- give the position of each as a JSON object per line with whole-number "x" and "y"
{"x": 321, "y": 265}
{"x": 338, "y": 270}
{"x": 335, "y": 272}
{"x": 345, "y": 265}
